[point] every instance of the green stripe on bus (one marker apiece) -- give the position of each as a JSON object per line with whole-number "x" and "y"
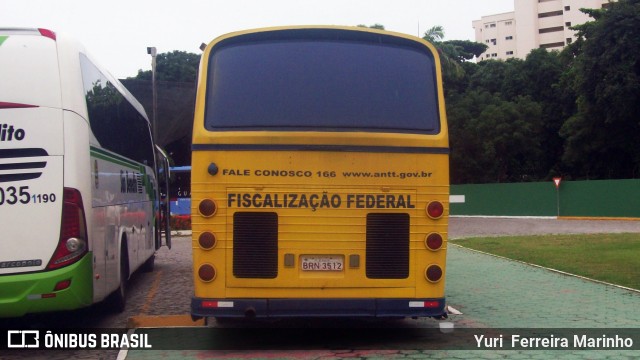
{"x": 101, "y": 154}
{"x": 2, "y": 39}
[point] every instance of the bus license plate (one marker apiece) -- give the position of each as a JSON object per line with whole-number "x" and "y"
{"x": 322, "y": 263}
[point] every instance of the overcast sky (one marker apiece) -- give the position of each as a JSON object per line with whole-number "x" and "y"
{"x": 117, "y": 32}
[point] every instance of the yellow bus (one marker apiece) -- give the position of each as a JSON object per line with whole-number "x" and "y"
{"x": 320, "y": 175}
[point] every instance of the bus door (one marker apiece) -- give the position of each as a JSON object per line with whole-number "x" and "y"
{"x": 164, "y": 218}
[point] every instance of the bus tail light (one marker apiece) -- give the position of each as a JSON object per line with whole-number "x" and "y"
{"x": 207, "y": 273}
{"x": 433, "y": 241}
{"x": 48, "y": 33}
{"x": 207, "y": 240}
{"x": 207, "y": 208}
{"x": 11, "y": 105}
{"x": 73, "y": 231}
{"x": 433, "y": 273}
{"x": 435, "y": 210}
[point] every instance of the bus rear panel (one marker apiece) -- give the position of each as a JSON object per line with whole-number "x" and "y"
{"x": 320, "y": 178}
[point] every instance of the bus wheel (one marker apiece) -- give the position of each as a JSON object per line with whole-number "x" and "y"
{"x": 118, "y": 299}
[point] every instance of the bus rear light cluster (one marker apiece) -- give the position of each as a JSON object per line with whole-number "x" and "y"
{"x": 207, "y": 208}
{"x": 435, "y": 210}
{"x": 433, "y": 241}
{"x": 433, "y": 273}
{"x": 207, "y": 240}
{"x": 207, "y": 272}
{"x": 73, "y": 231}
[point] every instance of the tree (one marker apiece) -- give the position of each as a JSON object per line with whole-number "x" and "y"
{"x": 177, "y": 65}
{"x": 176, "y": 74}
{"x": 493, "y": 140}
{"x": 601, "y": 138}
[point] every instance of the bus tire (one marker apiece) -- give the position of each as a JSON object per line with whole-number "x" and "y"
{"x": 118, "y": 301}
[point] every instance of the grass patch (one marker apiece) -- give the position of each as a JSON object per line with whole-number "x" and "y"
{"x": 614, "y": 258}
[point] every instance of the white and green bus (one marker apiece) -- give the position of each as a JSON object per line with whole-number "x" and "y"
{"x": 80, "y": 178}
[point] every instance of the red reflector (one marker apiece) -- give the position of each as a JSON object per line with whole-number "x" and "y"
{"x": 48, "y": 296}
{"x": 10, "y": 105}
{"x": 61, "y": 285}
{"x": 209, "y": 304}
{"x": 48, "y": 33}
{"x": 431, "y": 304}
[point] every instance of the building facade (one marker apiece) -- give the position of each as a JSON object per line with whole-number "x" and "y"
{"x": 533, "y": 24}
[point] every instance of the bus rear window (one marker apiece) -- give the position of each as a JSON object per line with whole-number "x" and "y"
{"x": 322, "y": 85}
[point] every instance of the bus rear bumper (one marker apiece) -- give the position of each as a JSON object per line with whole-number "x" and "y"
{"x": 22, "y": 294}
{"x": 265, "y": 308}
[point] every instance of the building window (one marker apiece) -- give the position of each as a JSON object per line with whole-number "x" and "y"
{"x": 567, "y": 8}
{"x": 509, "y": 38}
{"x": 508, "y": 23}
{"x": 493, "y": 41}
{"x": 567, "y": 24}
{"x": 569, "y": 41}
{"x": 551, "y": 29}
{"x": 494, "y": 55}
{"x": 492, "y": 25}
{"x": 552, "y": 45}
{"x": 550, "y": 14}
{"x": 509, "y": 52}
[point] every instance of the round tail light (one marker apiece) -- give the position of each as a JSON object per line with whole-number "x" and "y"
{"x": 435, "y": 209}
{"x": 433, "y": 241}
{"x": 207, "y": 272}
{"x": 207, "y": 240}
{"x": 207, "y": 208}
{"x": 433, "y": 273}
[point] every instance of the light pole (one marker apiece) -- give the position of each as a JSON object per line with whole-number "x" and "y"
{"x": 153, "y": 52}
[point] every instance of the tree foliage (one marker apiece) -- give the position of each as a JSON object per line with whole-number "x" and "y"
{"x": 177, "y": 66}
{"x": 572, "y": 113}
{"x": 601, "y": 136}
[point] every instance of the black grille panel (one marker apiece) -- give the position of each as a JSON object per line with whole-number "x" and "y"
{"x": 387, "y": 246}
{"x": 255, "y": 245}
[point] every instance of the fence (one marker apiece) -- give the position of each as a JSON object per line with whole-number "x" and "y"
{"x": 599, "y": 199}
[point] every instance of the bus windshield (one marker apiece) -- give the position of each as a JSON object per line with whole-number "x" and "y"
{"x": 321, "y": 85}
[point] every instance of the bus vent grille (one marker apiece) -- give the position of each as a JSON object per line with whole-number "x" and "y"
{"x": 387, "y": 246}
{"x": 255, "y": 245}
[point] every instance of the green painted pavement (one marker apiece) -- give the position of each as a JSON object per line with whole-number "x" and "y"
{"x": 499, "y": 293}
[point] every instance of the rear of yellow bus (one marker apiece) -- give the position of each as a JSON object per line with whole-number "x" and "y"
{"x": 320, "y": 176}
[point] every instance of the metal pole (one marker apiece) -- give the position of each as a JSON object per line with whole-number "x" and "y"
{"x": 153, "y": 52}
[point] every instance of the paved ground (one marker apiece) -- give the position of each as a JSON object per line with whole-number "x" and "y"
{"x": 460, "y": 227}
{"x": 492, "y": 293}
{"x": 495, "y": 293}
